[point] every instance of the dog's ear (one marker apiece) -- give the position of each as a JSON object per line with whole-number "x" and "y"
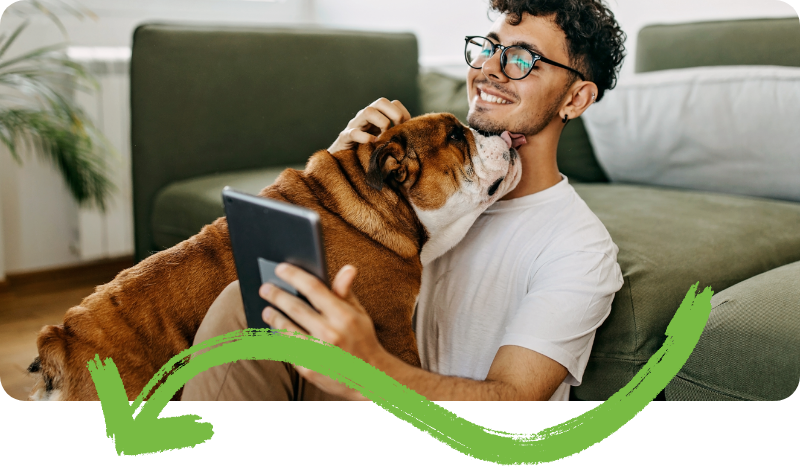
{"x": 387, "y": 161}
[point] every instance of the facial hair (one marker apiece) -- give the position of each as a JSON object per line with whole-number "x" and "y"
{"x": 531, "y": 124}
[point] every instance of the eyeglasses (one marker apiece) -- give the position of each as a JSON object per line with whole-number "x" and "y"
{"x": 515, "y": 61}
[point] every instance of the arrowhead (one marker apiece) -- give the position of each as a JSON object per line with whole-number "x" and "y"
{"x": 141, "y": 435}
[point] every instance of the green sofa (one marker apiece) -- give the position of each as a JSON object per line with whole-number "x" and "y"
{"x": 210, "y": 109}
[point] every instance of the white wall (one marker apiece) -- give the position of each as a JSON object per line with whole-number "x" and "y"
{"x": 38, "y": 228}
{"x": 441, "y": 25}
{"x": 39, "y": 216}
{"x": 118, "y": 18}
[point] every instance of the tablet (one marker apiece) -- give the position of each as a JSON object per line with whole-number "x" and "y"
{"x": 264, "y": 233}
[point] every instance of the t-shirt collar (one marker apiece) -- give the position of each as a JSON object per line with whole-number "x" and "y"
{"x": 556, "y": 191}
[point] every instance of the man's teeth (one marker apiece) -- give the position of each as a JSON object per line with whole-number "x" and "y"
{"x": 495, "y": 99}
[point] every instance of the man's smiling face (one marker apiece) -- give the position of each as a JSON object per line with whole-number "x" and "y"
{"x": 527, "y": 106}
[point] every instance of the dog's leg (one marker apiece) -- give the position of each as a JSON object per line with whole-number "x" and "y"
{"x": 399, "y": 340}
{"x": 141, "y": 319}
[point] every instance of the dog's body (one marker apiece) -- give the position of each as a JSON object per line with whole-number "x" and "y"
{"x": 441, "y": 176}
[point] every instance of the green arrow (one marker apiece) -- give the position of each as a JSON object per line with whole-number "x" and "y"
{"x": 143, "y": 434}
{"x": 146, "y": 433}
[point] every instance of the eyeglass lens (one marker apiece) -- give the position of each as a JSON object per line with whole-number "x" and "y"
{"x": 518, "y": 61}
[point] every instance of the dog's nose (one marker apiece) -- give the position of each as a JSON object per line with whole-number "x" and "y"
{"x": 513, "y": 140}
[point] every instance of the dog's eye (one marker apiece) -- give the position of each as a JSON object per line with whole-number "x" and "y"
{"x": 457, "y": 134}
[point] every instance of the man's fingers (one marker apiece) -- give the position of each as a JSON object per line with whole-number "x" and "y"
{"x": 360, "y": 136}
{"x": 372, "y": 130}
{"x": 405, "y": 112}
{"x": 291, "y": 306}
{"x": 396, "y": 113}
{"x": 278, "y": 321}
{"x": 320, "y": 296}
{"x": 343, "y": 284}
{"x": 376, "y": 117}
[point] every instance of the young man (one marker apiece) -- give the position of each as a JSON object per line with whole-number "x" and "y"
{"x": 511, "y": 312}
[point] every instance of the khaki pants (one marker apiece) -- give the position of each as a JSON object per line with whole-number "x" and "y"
{"x": 244, "y": 380}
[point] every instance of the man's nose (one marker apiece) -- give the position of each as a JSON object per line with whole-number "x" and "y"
{"x": 492, "y": 68}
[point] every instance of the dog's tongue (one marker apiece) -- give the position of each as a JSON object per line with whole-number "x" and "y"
{"x": 513, "y": 140}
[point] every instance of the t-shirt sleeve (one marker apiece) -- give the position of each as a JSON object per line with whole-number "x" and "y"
{"x": 568, "y": 299}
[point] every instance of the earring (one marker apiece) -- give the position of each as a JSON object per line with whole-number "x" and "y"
{"x": 565, "y": 119}
{"x": 593, "y": 97}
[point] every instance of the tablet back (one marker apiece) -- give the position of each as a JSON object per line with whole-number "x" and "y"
{"x": 264, "y": 233}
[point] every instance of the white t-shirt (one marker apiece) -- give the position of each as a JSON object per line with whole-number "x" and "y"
{"x": 537, "y": 272}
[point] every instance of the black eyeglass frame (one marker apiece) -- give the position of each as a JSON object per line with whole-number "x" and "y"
{"x": 536, "y": 58}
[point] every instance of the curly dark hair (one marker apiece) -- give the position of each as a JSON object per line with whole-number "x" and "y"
{"x": 596, "y": 42}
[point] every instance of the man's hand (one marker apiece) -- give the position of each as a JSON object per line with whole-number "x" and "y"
{"x": 341, "y": 320}
{"x": 369, "y": 123}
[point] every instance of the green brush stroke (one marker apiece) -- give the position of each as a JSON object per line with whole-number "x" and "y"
{"x": 146, "y": 433}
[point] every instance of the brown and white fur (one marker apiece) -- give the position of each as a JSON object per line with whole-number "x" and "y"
{"x": 388, "y": 208}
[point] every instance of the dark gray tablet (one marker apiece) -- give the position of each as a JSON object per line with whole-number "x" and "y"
{"x": 265, "y": 232}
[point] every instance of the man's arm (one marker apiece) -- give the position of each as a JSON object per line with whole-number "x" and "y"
{"x": 516, "y": 373}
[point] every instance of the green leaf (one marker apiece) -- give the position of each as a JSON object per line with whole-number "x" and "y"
{"x": 38, "y": 111}
{"x": 65, "y": 142}
{"x": 41, "y": 54}
{"x": 42, "y": 7}
{"x": 7, "y": 43}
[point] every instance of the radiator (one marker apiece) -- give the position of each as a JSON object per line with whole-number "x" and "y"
{"x": 109, "y": 234}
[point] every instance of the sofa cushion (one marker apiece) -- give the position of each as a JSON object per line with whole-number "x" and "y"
{"x": 668, "y": 240}
{"x": 731, "y": 129}
{"x": 750, "y": 348}
{"x": 772, "y": 41}
{"x": 575, "y": 155}
{"x": 183, "y": 208}
{"x": 442, "y": 93}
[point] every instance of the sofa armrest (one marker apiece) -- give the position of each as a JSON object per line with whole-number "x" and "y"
{"x": 750, "y": 348}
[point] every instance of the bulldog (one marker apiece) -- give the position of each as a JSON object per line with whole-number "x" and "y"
{"x": 387, "y": 207}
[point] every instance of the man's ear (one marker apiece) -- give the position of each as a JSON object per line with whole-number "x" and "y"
{"x": 583, "y": 95}
{"x": 385, "y": 162}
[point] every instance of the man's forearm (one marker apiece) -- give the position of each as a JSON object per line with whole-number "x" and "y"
{"x": 445, "y": 388}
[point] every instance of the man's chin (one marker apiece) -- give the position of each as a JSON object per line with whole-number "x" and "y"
{"x": 478, "y": 120}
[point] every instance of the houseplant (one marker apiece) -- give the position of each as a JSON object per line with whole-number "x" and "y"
{"x": 38, "y": 109}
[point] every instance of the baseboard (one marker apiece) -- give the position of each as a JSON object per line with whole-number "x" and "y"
{"x": 78, "y": 272}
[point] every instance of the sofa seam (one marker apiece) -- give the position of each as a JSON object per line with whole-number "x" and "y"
{"x": 635, "y": 327}
{"x": 619, "y": 358}
{"x": 713, "y": 389}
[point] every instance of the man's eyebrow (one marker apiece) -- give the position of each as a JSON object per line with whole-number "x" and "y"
{"x": 527, "y": 45}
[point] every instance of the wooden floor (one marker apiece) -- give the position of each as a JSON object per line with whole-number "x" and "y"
{"x": 30, "y": 301}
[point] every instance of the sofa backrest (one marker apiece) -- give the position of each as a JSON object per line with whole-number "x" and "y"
{"x": 208, "y": 99}
{"x": 742, "y": 42}
{"x": 662, "y": 47}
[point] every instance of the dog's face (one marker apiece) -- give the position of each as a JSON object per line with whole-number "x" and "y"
{"x": 448, "y": 172}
